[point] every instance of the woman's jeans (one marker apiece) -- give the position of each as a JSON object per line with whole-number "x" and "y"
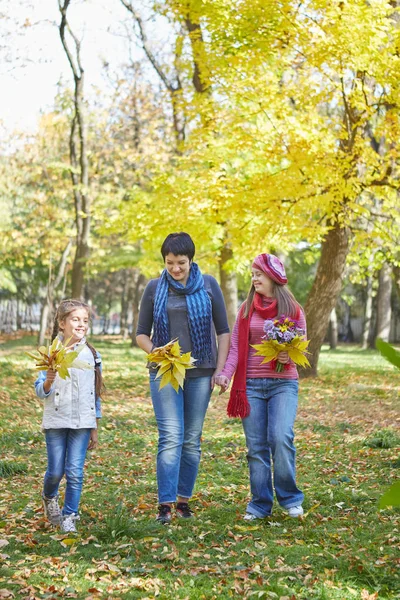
{"x": 180, "y": 416}
{"x": 66, "y": 452}
{"x": 269, "y": 432}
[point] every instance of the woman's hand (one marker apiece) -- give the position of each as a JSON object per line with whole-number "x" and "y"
{"x": 93, "y": 440}
{"x": 50, "y": 377}
{"x": 223, "y": 382}
{"x": 283, "y": 357}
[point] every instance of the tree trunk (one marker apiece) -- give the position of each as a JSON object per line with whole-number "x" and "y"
{"x": 325, "y": 292}
{"x": 19, "y": 315}
{"x": 127, "y": 298}
{"x": 140, "y": 284}
{"x": 124, "y": 305}
{"x": 137, "y": 296}
{"x": 367, "y": 326}
{"x": 228, "y": 284}
{"x": 333, "y": 330}
{"x": 44, "y": 319}
{"x": 78, "y": 156}
{"x": 384, "y": 309}
{"x": 78, "y": 270}
{"x": 48, "y": 303}
{"x": 396, "y": 274}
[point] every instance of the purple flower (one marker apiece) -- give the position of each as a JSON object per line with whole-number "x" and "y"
{"x": 283, "y": 330}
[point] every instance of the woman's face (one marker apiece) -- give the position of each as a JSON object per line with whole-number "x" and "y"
{"x": 262, "y": 283}
{"x": 75, "y": 325}
{"x": 178, "y": 267}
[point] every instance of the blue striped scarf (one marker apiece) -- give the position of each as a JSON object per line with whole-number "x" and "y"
{"x": 198, "y": 309}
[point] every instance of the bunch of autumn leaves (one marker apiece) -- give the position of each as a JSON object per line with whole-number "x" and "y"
{"x": 172, "y": 365}
{"x": 58, "y": 357}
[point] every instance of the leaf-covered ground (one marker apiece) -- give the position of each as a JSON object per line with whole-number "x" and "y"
{"x": 344, "y": 548}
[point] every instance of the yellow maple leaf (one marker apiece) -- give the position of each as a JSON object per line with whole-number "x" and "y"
{"x": 297, "y": 350}
{"x": 172, "y": 365}
{"x": 58, "y": 357}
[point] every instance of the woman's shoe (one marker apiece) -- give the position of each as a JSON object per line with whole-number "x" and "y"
{"x": 183, "y": 511}
{"x": 164, "y": 514}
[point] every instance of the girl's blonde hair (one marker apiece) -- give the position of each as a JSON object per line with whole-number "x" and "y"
{"x": 287, "y": 303}
{"x": 65, "y": 308}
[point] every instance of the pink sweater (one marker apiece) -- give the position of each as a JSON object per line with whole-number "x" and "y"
{"x": 254, "y": 367}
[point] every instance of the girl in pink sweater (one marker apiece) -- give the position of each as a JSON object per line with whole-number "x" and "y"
{"x": 265, "y": 399}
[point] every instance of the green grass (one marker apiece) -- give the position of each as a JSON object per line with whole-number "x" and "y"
{"x": 344, "y": 548}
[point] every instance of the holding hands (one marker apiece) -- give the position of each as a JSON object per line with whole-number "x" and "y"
{"x": 223, "y": 382}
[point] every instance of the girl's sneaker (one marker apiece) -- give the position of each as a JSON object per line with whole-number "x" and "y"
{"x": 295, "y": 511}
{"x": 251, "y": 517}
{"x": 164, "y": 514}
{"x": 68, "y": 523}
{"x": 183, "y": 511}
{"x": 52, "y": 510}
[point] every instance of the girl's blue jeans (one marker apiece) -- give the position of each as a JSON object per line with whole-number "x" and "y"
{"x": 66, "y": 452}
{"x": 269, "y": 434}
{"x": 180, "y": 417}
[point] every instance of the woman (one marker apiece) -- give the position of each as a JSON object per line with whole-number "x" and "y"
{"x": 270, "y": 397}
{"x": 186, "y": 305}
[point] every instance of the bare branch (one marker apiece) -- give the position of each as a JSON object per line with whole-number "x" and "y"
{"x": 146, "y": 47}
{"x": 63, "y": 6}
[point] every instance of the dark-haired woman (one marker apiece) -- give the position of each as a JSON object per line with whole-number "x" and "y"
{"x": 182, "y": 303}
{"x": 264, "y": 398}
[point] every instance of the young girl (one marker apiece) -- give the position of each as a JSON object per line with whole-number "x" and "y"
{"x": 268, "y": 398}
{"x": 72, "y": 407}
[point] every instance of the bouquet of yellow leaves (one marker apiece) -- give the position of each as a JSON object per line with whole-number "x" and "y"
{"x": 172, "y": 364}
{"x": 58, "y": 357}
{"x": 283, "y": 335}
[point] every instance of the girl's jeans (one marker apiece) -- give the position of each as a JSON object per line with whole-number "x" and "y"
{"x": 269, "y": 432}
{"x": 66, "y": 452}
{"x": 180, "y": 416}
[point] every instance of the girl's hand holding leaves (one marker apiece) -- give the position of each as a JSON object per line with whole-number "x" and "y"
{"x": 59, "y": 357}
{"x": 283, "y": 335}
{"x": 171, "y": 363}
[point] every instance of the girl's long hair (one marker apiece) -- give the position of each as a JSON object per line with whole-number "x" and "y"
{"x": 65, "y": 308}
{"x": 287, "y": 303}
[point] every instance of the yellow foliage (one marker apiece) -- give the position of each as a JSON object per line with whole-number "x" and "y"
{"x": 172, "y": 365}
{"x": 58, "y": 357}
{"x": 297, "y": 350}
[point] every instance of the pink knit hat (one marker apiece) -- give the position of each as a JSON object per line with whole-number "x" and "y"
{"x": 271, "y": 266}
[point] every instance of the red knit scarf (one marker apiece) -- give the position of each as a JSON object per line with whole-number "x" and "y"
{"x": 238, "y": 405}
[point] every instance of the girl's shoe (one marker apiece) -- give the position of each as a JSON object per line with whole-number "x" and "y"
{"x": 183, "y": 511}
{"x": 295, "y": 511}
{"x": 164, "y": 514}
{"x": 52, "y": 510}
{"x": 251, "y": 517}
{"x": 68, "y": 523}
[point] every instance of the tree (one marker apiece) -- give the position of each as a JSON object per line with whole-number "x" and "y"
{"x": 78, "y": 155}
{"x": 36, "y": 235}
{"x": 384, "y": 311}
{"x": 288, "y": 106}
